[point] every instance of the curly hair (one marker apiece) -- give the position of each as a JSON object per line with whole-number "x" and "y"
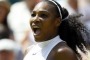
{"x": 71, "y": 30}
{"x": 74, "y": 33}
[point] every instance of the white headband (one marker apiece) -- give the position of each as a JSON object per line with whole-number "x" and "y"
{"x": 57, "y": 7}
{"x": 7, "y": 44}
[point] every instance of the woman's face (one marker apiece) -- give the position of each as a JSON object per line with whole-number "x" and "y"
{"x": 44, "y": 22}
{"x": 3, "y": 13}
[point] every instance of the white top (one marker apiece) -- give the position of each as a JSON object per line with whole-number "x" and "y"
{"x": 41, "y": 50}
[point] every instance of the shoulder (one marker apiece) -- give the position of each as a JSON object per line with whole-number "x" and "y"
{"x": 63, "y": 52}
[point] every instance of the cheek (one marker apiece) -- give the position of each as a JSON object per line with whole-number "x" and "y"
{"x": 48, "y": 26}
{"x": 48, "y": 31}
{"x": 31, "y": 21}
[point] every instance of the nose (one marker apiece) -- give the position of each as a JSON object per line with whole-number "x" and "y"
{"x": 35, "y": 20}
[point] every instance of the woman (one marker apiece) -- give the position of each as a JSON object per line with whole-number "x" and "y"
{"x": 57, "y": 34}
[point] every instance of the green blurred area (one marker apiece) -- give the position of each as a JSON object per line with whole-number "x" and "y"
{"x": 13, "y": 1}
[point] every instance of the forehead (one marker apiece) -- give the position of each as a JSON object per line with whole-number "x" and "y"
{"x": 44, "y": 6}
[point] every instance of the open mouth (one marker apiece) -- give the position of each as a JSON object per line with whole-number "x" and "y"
{"x": 36, "y": 30}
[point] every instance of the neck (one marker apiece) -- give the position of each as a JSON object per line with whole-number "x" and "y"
{"x": 53, "y": 40}
{"x": 53, "y": 35}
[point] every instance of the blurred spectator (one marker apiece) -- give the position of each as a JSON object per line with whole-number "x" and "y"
{"x": 9, "y": 50}
{"x": 5, "y": 32}
{"x": 84, "y": 6}
{"x": 78, "y": 7}
{"x": 74, "y": 6}
{"x": 70, "y": 5}
{"x": 18, "y": 20}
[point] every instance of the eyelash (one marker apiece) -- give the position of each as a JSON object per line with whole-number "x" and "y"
{"x": 33, "y": 15}
{"x": 41, "y": 15}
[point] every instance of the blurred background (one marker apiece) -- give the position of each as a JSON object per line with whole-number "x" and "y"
{"x": 13, "y": 1}
{"x": 15, "y": 28}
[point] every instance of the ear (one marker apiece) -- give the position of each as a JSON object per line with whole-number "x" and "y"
{"x": 57, "y": 22}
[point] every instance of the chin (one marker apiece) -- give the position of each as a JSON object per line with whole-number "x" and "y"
{"x": 39, "y": 39}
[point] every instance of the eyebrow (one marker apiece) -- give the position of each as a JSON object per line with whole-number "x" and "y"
{"x": 42, "y": 11}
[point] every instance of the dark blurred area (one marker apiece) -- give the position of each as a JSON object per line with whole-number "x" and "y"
{"x": 5, "y": 31}
{"x": 13, "y": 1}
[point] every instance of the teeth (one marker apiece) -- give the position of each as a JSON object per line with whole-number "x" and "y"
{"x": 36, "y": 31}
{"x": 35, "y": 27}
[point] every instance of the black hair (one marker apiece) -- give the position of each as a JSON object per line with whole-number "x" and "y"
{"x": 5, "y": 19}
{"x": 6, "y": 5}
{"x": 71, "y": 30}
{"x": 5, "y": 32}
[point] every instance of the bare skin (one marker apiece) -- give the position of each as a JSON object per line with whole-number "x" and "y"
{"x": 7, "y": 55}
{"x": 62, "y": 52}
{"x": 43, "y": 23}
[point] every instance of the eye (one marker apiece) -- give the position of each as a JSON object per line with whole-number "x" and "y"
{"x": 43, "y": 15}
{"x": 33, "y": 14}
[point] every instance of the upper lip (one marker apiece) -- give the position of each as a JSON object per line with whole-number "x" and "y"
{"x": 35, "y": 28}
{"x": 35, "y": 25}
